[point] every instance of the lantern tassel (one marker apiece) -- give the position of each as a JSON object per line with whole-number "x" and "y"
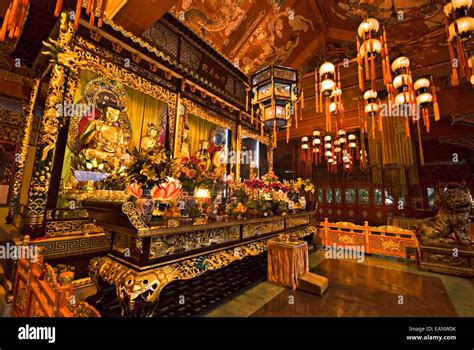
{"x": 59, "y": 6}
{"x": 78, "y": 14}
{"x": 92, "y": 17}
{"x": 437, "y": 115}
{"x": 103, "y": 6}
{"x": 420, "y": 144}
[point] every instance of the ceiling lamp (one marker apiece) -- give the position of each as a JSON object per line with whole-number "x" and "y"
{"x": 371, "y": 110}
{"x": 426, "y": 97}
{"x": 340, "y": 149}
{"x": 328, "y": 86}
{"x": 275, "y": 99}
{"x": 459, "y": 29}
{"x": 402, "y": 81}
{"x": 405, "y": 100}
{"x": 372, "y": 43}
{"x": 305, "y": 143}
{"x": 401, "y": 65}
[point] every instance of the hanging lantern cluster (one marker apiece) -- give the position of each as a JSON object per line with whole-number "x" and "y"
{"x": 371, "y": 43}
{"x": 17, "y": 11}
{"x": 403, "y": 90}
{"x": 340, "y": 149}
{"x": 275, "y": 99}
{"x": 317, "y": 143}
{"x": 459, "y": 28}
{"x": 328, "y": 93}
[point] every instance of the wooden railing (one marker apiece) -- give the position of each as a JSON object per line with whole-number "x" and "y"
{"x": 382, "y": 240}
{"x": 38, "y": 293}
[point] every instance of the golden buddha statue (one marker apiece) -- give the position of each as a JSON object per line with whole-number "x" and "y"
{"x": 203, "y": 154}
{"x": 106, "y": 144}
{"x": 150, "y": 140}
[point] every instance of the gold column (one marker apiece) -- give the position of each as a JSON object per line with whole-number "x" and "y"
{"x": 238, "y": 144}
{"x": 178, "y": 134}
{"x": 44, "y": 160}
{"x": 23, "y": 152}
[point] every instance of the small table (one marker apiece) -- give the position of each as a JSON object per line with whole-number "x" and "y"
{"x": 287, "y": 262}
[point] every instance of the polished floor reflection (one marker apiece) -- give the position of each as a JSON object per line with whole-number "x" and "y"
{"x": 377, "y": 287}
{"x": 362, "y": 290}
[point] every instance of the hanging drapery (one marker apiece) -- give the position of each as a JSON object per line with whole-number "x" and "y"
{"x": 199, "y": 130}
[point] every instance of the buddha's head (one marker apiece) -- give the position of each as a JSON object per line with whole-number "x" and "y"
{"x": 152, "y": 130}
{"x": 111, "y": 115}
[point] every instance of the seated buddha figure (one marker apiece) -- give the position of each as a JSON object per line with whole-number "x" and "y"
{"x": 150, "y": 140}
{"x": 105, "y": 143}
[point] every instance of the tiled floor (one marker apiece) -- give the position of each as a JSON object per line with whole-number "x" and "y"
{"x": 373, "y": 288}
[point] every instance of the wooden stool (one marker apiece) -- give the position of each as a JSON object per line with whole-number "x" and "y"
{"x": 312, "y": 283}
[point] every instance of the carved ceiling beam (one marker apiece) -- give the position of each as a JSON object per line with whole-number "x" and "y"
{"x": 342, "y": 35}
{"x": 300, "y": 57}
{"x": 320, "y": 19}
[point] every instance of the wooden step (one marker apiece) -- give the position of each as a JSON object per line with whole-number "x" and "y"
{"x": 312, "y": 283}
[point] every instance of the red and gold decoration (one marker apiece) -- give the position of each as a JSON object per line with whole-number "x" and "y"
{"x": 328, "y": 88}
{"x": 459, "y": 28}
{"x": 371, "y": 110}
{"x": 17, "y": 12}
{"x": 367, "y": 52}
{"x": 340, "y": 149}
{"x": 14, "y": 19}
{"x": 426, "y": 97}
{"x": 404, "y": 89}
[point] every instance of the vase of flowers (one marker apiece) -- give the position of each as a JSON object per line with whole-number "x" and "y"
{"x": 146, "y": 174}
{"x": 144, "y": 203}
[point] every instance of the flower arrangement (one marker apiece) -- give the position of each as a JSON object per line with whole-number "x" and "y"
{"x": 193, "y": 173}
{"x": 148, "y": 168}
{"x": 298, "y": 188}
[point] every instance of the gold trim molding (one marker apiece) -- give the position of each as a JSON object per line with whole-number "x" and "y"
{"x": 211, "y": 116}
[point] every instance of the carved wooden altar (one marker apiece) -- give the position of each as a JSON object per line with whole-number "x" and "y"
{"x": 143, "y": 259}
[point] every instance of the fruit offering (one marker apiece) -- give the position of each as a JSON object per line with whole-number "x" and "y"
{"x": 173, "y": 212}
{"x": 240, "y": 209}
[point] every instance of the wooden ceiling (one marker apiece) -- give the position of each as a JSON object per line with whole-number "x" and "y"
{"x": 296, "y": 33}
{"x": 304, "y": 33}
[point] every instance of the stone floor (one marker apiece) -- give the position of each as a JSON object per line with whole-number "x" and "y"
{"x": 377, "y": 287}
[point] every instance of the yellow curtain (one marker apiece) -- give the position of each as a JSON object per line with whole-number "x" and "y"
{"x": 199, "y": 129}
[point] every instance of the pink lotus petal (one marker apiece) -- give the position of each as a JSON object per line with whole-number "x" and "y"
{"x": 160, "y": 194}
{"x": 152, "y": 191}
{"x": 136, "y": 190}
{"x": 170, "y": 187}
{"x": 173, "y": 194}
